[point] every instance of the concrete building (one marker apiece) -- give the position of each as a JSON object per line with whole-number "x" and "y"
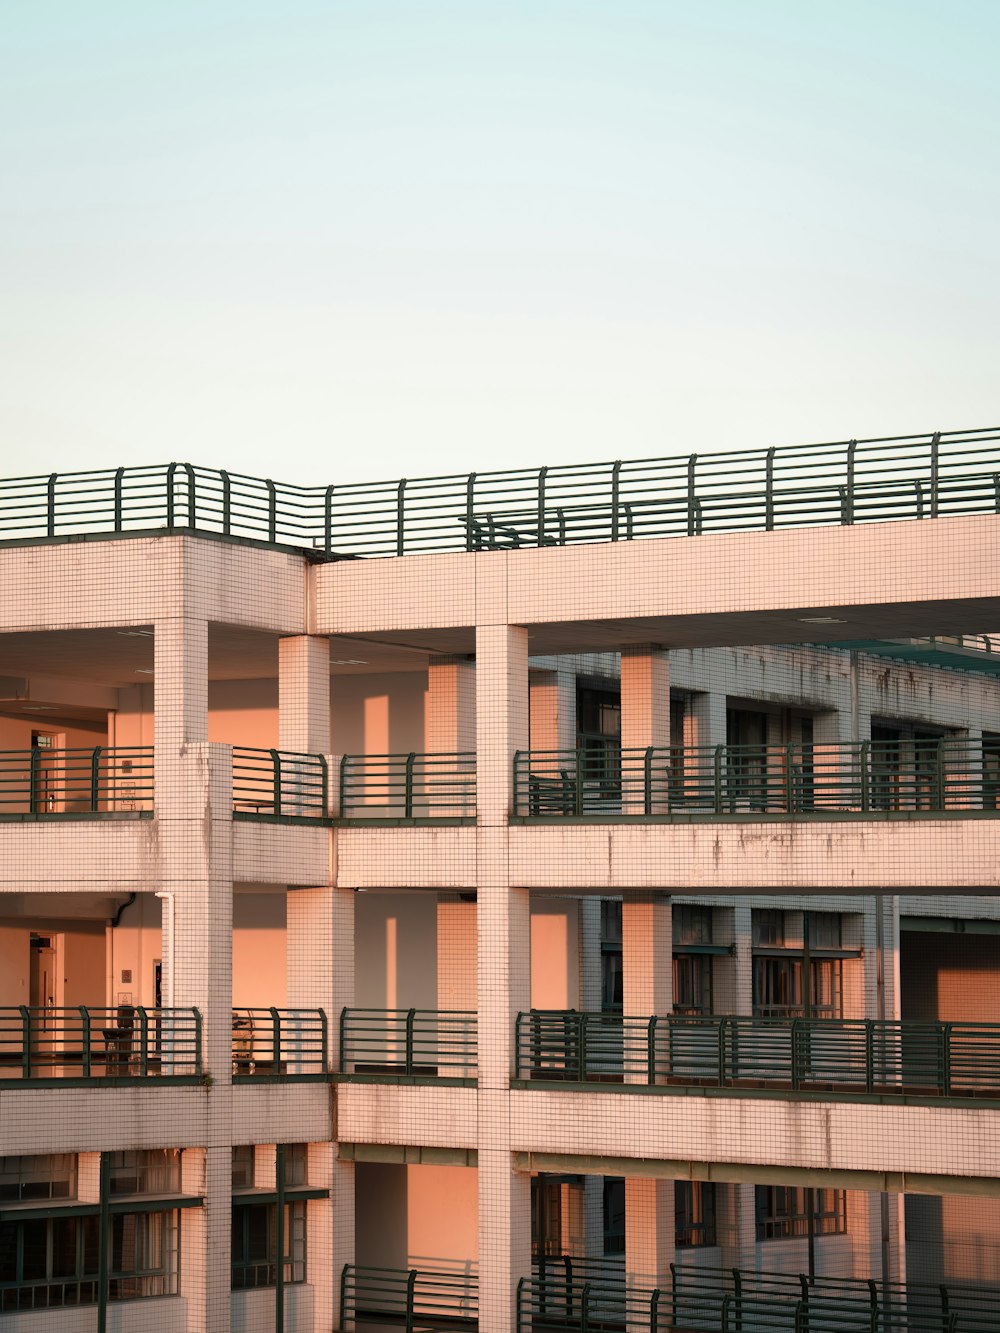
{"x": 522, "y": 902}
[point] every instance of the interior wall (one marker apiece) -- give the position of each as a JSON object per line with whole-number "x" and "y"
{"x": 243, "y": 712}
{"x": 14, "y": 964}
{"x": 950, "y": 1238}
{"x": 259, "y": 952}
{"x": 442, "y": 1217}
{"x": 381, "y": 713}
{"x": 135, "y": 947}
{"x": 380, "y": 1215}
{"x": 15, "y": 732}
{"x": 555, "y": 953}
{"x": 954, "y": 978}
{"x": 84, "y": 965}
{"x": 395, "y": 950}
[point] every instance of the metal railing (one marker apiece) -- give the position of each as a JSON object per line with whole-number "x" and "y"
{"x": 285, "y": 1043}
{"x": 853, "y": 1056}
{"x": 85, "y": 1041}
{"x": 98, "y": 781}
{"x": 427, "y": 1042}
{"x": 277, "y": 783}
{"x": 408, "y": 786}
{"x": 414, "y": 1297}
{"x": 863, "y": 778}
{"x": 593, "y": 1295}
{"x": 846, "y": 482}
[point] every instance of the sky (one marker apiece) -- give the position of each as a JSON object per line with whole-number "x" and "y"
{"x": 348, "y": 241}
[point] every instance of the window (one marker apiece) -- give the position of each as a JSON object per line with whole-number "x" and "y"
{"x": 243, "y": 1167}
{"x": 614, "y": 1215}
{"x": 255, "y": 1243}
{"x": 784, "y": 1212}
{"x": 778, "y": 968}
{"x": 612, "y": 992}
{"x": 692, "y": 984}
{"x": 769, "y": 928}
{"x": 48, "y": 1176}
{"x": 694, "y": 1213}
{"x": 143, "y": 1255}
{"x": 146, "y": 1171}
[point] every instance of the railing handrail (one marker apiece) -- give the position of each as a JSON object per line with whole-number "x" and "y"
{"x": 840, "y": 482}
{"x": 408, "y": 784}
{"x": 101, "y": 1041}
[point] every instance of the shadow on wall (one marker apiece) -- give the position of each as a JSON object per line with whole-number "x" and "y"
{"x": 954, "y": 978}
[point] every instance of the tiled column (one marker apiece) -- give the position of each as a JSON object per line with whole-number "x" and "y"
{"x": 193, "y": 805}
{"x": 649, "y": 1233}
{"x": 504, "y": 965}
{"x": 645, "y": 722}
{"x": 450, "y": 718}
{"x": 319, "y": 935}
{"x": 647, "y": 972}
{"x": 304, "y": 694}
{"x": 457, "y": 952}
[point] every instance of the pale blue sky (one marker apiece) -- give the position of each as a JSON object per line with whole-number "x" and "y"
{"x": 335, "y": 241}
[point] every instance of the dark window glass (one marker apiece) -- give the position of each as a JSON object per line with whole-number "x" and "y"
{"x": 243, "y": 1167}
{"x": 694, "y": 1213}
{"x": 614, "y": 1215}
{"x": 692, "y": 984}
{"x": 255, "y": 1244}
{"x": 785, "y": 1211}
{"x": 692, "y": 925}
{"x": 146, "y": 1171}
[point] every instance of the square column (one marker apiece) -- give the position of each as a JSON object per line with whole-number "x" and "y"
{"x": 206, "y": 1253}
{"x": 649, "y": 1233}
{"x": 647, "y": 970}
{"x": 504, "y": 971}
{"x": 180, "y": 712}
{"x": 457, "y": 958}
{"x": 319, "y": 941}
{"x": 450, "y": 717}
{"x": 645, "y": 695}
{"x": 304, "y": 694}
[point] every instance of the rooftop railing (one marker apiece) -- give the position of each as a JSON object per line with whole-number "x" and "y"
{"x": 859, "y": 1057}
{"x": 955, "y": 774}
{"x": 280, "y": 1043}
{"x": 408, "y": 786}
{"x": 572, "y": 1294}
{"x": 102, "y": 780}
{"x": 277, "y": 784}
{"x": 414, "y": 1297}
{"x": 429, "y": 1043}
{"x": 852, "y": 481}
{"x": 89, "y": 1042}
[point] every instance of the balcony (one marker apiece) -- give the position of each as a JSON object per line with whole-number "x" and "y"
{"x": 415, "y": 1298}
{"x": 43, "y": 1046}
{"x": 580, "y": 1294}
{"x": 828, "y": 1058}
{"x": 280, "y": 1044}
{"x": 408, "y": 788}
{"x": 408, "y": 1044}
{"x": 280, "y": 786}
{"x": 102, "y": 782}
{"x": 866, "y": 780}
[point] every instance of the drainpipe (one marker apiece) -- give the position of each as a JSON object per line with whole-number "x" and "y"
{"x": 103, "y": 1243}
{"x": 168, "y": 971}
{"x": 279, "y": 1239}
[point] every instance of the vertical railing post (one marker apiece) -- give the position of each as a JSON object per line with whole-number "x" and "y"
{"x": 86, "y": 1042}
{"x": 578, "y": 784}
{"x": 408, "y": 789}
{"x": 197, "y": 1040}
{"x": 769, "y": 491}
{"x": 276, "y": 780}
{"x": 171, "y": 470}
{"x": 324, "y": 1042}
{"x": 870, "y": 1054}
{"x": 847, "y": 514}
{"x": 95, "y": 774}
{"x": 584, "y": 1307}
{"x": 517, "y": 1045}
{"x": 615, "y": 494}
{"x": 946, "y": 1030}
{"x": 279, "y": 1239}
{"x": 582, "y": 1046}
{"x": 119, "y": 474}
{"x": 143, "y": 1018}
{"x": 400, "y": 519}
{"x": 864, "y": 761}
{"x": 34, "y": 766}
{"x": 935, "y": 462}
{"x": 647, "y": 780}
{"x": 328, "y": 520}
{"x": 722, "y": 1051}
{"x": 789, "y": 779}
{"x": 470, "y": 512}
{"x": 941, "y": 775}
{"x": 344, "y": 1054}
{"x": 796, "y": 1052}
{"x": 192, "y": 498}
{"x": 324, "y": 786}
{"x": 25, "y": 1013}
{"x": 272, "y": 510}
{"x": 226, "y": 503}
{"x": 408, "y": 1049}
{"x": 103, "y": 1239}
{"x": 411, "y": 1283}
{"x": 692, "y": 499}
{"x": 717, "y": 774}
{"x": 50, "y": 504}
{"x": 341, "y": 806}
{"x": 542, "y": 474}
{"x": 275, "y": 1039}
{"x": 651, "y": 1050}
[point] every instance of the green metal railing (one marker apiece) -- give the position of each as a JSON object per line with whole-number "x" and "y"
{"x": 271, "y": 784}
{"x": 427, "y": 1042}
{"x": 280, "y": 1043}
{"x": 863, "y": 778}
{"x": 84, "y": 1041}
{"x": 862, "y": 1057}
{"x": 413, "y": 1297}
{"x": 592, "y": 1295}
{"x": 846, "y": 482}
{"x": 101, "y": 780}
{"x": 408, "y": 786}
